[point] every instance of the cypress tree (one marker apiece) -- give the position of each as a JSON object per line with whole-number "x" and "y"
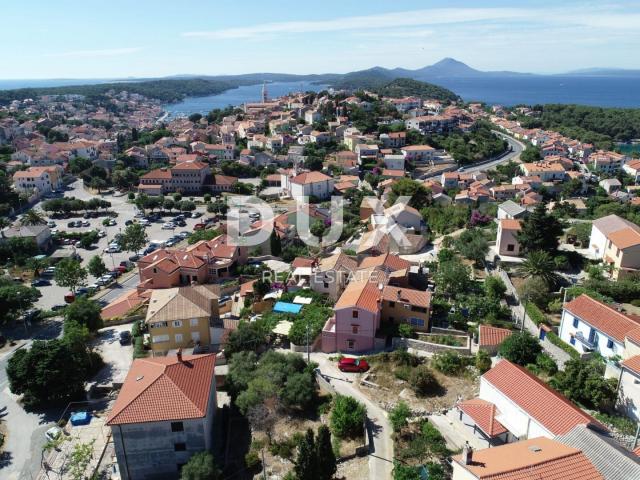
{"x": 326, "y": 459}
{"x": 306, "y": 467}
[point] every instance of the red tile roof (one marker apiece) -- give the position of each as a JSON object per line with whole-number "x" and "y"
{"x": 158, "y": 174}
{"x": 632, "y": 364}
{"x": 362, "y": 294}
{"x": 483, "y": 413}
{"x": 301, "y": 262}
{"x": 492, "y": 336}
{"x": 165, "y": 389}
{"x": 602, "y": 317}
{"x": 310, "y": 177}
{"x": 535, "y": 459}
{"x": 549, "y": 408}
{"x": 389, "y": 260}
{"x": 417, "y": 298}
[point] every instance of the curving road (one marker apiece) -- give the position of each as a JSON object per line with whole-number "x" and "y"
{"x": 516, "y": 146}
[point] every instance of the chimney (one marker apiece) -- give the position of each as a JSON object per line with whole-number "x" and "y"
{"x": 179, "y": 354}
{"x": 399, "y": 294}
{"x": 467, "y": 454}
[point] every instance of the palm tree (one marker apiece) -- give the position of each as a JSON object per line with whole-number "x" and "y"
{"x": 539, "y": 264}
{"x": 32, "y": 217}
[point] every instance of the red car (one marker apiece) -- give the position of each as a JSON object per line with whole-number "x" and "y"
{"x": 199, "y": 226}
{"x": 353, "y": 365}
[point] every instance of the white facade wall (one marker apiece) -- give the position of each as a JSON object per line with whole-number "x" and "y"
{"x": 597, "y": 242}
{"x": 629, "y": 394}
{"x": 606, "y": 346}
{"x": 512, "y": 416}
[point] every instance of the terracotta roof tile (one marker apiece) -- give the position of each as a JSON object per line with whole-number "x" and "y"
{"x": 417, "y": 298}
{"x": 510, "y": 224}
{"x": 165, "y": 389}
{"x": 492, "y": 336}
{"x": 484, "y": 414}
{"x": 536, "y": 459}
{"x": 363, "y": 294}
{"x": 632, "y": 364}
{"x": 310, "y": 177}
{"x": 551, "y": 409}
{"x": 602, "y": 317}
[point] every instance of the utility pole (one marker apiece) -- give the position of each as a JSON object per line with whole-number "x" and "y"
{"x": 308, "y": 354}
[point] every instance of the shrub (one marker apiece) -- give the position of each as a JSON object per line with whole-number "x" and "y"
{"x": 399, "y": 415}
{"x": 403, "y": 357}
{"x": 546, "y": 364}
{"x": 405, "y": 330}
{"x": 483, "y": 361}
{"x": 347, "y": 417}
{"x": 450, "y": 363}
{"x": 555, "y": 339}
{"x": 252, "y": 460}
{"x": 521, "y": 348}
{"x": 402, "y": 372}
{"x": 423, "y": 381}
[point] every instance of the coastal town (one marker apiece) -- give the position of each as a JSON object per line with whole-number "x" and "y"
{"x": 334, "y": 284}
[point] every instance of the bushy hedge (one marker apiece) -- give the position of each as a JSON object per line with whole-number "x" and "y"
{"x": 555, "y": 339}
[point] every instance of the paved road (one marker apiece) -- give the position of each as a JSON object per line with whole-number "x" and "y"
{"x": 514, "y": 154}
{"x": 381, "y": 452}
{"x": 25, "y": 430}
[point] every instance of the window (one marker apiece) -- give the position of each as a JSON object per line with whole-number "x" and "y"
{"x": 350, "y": 344}
{"x": 575, "y": 323}
{"x": 195, "y": 336}
{"x": 177, "y": 427}
{"x": 326, "y": 285}
{"x": 572, "y": 341}
{"x": 609, "y": 343}
{"x": 392, "y": 304}
{"x": 177, "y": 323}
{"x": 178, "y": 338}
{"x": 179, "y": 447}
{"x": 510, "y": 247}
{"x": 416, "y": 322}
{"x": 193, "y": 322}
{"x": 160, "y": 338}
{"x": 354, "y": 329}
{"x": 355, "y": 314}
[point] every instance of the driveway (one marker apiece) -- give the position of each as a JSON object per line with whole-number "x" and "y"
{"x": 20, "y": 458}
{"x": 381, "y": 443}
{"x": 117, "y": 358}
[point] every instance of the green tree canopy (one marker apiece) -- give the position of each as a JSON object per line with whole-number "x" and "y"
{"x": 521, "y": 348}
{"x": 70, "y": 274}
{"x": 201, "y": 466}
{"x": 84, "y": 312}
{"x": 133, "y": 238}
{"x": 540, "y": 231}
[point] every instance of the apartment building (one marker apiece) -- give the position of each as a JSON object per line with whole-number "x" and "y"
{"x": 41, "y": 180}
{"x": 163, "y": 415}
{"x": 181, "y": 317}
{"x": 406, "y": 305}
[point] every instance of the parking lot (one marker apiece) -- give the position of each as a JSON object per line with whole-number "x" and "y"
{"x": 54, "y": 295}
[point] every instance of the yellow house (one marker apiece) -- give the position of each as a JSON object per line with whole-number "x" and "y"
{"x": 406, "y": 305}
{"x": 180, "y": 317}
{"x": 622, "y": 252}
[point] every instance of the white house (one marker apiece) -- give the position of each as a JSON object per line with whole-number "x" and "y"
{"x": 633, "y": 168}
{"x": 311, "y": 184}
{"x": 40, "y": 179}
{"x": 526, "y": 406}
{"x": 589, "y": 325}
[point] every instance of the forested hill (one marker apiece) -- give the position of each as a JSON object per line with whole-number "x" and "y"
{"x": 600, "y": 126}
{"x": 166, "y": 90}
{"x": 405, "y": 87}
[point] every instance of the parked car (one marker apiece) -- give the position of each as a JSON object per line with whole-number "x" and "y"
{"x": 55, "y": 308}
{"x": 180, "y": 223}
{"x": 49, "y": 271}
{"x": 128, "y": 222}
{"x": 196, "y": 214}
{"x": 112, "y": 249}
{"x": 199, "y": 226}
{"x": 144, "y": 222}
{"x": 71, "y": 224}
{"x": 347, "y": 364}
{"x": 125, "y": 337}
{"x": 184, "y": 235}
{"x": 168, "y": 226}
{"x": 40, "y": 282}
{"x": 102, "y": 233}
{"x": 69, "y": 298}
{"x": 134, "y": 258}
{"x": 53, "y": 433}
{"x": 51, "y": 224}
{"x": 86, "y": 223}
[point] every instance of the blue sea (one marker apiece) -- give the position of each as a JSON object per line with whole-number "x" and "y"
{"x": 600, "y": 91}
{"x": 237, "y": 96}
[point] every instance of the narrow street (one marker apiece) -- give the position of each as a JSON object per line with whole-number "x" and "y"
{"x": 379, "y": 428}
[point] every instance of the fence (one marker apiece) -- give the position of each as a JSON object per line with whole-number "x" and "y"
{"x": 430, "y": 347}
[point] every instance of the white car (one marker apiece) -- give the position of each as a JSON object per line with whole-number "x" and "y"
{"x": 118, "y": 194}
{"x": 168, "y": 226}
{"x": 102, "y": 233}
{"x": 144, "y": 222}
{"x": 112, "y": 249}
{"x": 51, "y": 224}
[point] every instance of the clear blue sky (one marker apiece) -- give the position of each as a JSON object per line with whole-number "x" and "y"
{"x": 121, "y": 38}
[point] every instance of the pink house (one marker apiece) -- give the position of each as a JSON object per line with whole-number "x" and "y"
{"x": 357, "y": 318}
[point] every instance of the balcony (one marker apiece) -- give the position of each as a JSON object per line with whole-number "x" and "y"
{"x": 586, "y": 343}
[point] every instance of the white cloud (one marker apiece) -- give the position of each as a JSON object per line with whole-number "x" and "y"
{"x": 586, "y": 16}
{"x": 109, "y": 52}
{"x": 436, "y": 16}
